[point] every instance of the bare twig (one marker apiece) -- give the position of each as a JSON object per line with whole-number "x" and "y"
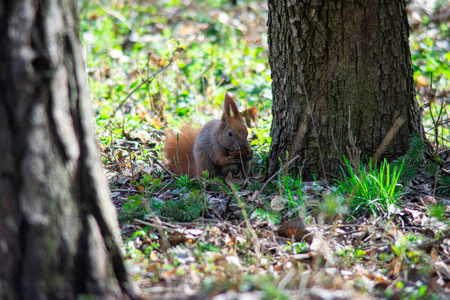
{"x": 158, "y": 226}
{"x": 354, "y": 153}
{"x": 388, "y": 138}
{"x": 157, "y": 162}
{"x": 436, "y": 129}
{"x": 335, "y": 146}
{"x": 151, "y": 76}
{"x": 257, "y": 247}
{"x": 117, "y": 15}
{"x": 429, "y": 244}
{"x": 255, "y": 195}
{"x": 125, "y": 190}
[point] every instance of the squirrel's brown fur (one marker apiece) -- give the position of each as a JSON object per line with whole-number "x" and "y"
{"x": 179, "y": 150}
{"x": 219, "y": 147}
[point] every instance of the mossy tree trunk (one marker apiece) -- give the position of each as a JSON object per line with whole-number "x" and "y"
{"x": 340, "y": 69}
{"x": 59, "y": 236}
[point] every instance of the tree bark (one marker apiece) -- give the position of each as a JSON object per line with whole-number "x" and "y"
{"x": 59, "y": 236}
{"x": 341, "y": 73}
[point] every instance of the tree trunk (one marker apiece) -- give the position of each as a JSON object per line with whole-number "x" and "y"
{"x": 59, "y": 236}
{"x": 341, "y": 73}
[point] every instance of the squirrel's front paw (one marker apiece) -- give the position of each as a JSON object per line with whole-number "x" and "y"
{"x": 249, "y": 155}
{"x": 234, "y": 160}
{"x": 236, "y": 157}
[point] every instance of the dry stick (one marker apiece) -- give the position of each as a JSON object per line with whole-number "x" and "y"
{"x": 149, "y": 92}
{"x": 247, "y": 221}
{"x": 155, "y": 161}
{"x": 422, "y": 109}
{"x": 444, "y": 139}
{"x": 139, "y": 85}
{"x": 354, "y": 153}
{"x": 158, "y": 226}
{"x": 438, "y": 123}
{"x": 443, "y": 122}
{"x": 273, "y": 176}
{"x": 125, "y": 190}
{"x": 314, "y": 125}
{"x": 130, "y": 152}
{"x": 429, "y": 244}
{"x": 116, "y": 15}
{"x": 375, "y": 245}
{"x": 286, "y": 279}
{"x": 349, "y": 232}
{"x": 177, "y": 160}
{"x": 149, "y": 78}
{"x": 436, "y": 132}
{"x": 189, "y": 164}
{"x": 435, "y": 180}
{"x": 242, "y": 163}
{"x": 388, "y": 138}
{"x": 201, "y": 237}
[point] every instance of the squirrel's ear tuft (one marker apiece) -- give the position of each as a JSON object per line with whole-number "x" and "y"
{"x": 223, "y": 121}
{"x": 230, "y": 107}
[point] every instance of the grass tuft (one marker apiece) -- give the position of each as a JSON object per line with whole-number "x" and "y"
{"x": 372, "y": 189}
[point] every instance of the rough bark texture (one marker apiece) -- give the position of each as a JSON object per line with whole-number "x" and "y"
{"x": 59, "y": 236}
{"x": 353, "y": 59}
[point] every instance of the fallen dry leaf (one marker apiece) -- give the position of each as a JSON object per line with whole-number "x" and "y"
{"x": 295, "y": 228}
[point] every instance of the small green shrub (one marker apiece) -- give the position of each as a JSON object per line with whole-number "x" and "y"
{"x": 184, "y": 184}
{"x": 189, "y": 207}
{"x": 271, "y": 216}
{"x": 421, "y": 159}
{"x": 333, "y": 206}
{"x": 416, "y": 158}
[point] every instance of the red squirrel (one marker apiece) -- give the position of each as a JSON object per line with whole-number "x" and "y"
{"x": 219, "y": 147}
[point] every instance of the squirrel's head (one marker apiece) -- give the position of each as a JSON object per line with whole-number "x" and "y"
{"x": 233, "y": 132}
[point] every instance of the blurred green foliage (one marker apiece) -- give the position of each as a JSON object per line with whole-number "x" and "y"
{"x": 219, "y": 47}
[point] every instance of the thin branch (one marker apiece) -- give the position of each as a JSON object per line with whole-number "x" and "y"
{"x": 436, "y": 129}
{"x": 158, "y": 226}
{"x": 157, "y": 162}
{"x": 256, "y": 243}
{"x": 255, "y": 195}
{"x": 151, "y": 76}
{"x": 429, "y": 244}
{"x": 388, "y": 138}
{"x": 117, "y": 15}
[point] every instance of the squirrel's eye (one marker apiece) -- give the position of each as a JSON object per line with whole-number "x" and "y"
{"x": 230, "y": 133}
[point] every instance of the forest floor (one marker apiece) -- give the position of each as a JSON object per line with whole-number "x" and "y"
{"x": 377, "y": 233}
{"x": 225, "y": 255}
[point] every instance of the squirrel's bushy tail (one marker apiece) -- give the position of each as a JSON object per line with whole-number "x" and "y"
{"x": 179, "y": 151}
